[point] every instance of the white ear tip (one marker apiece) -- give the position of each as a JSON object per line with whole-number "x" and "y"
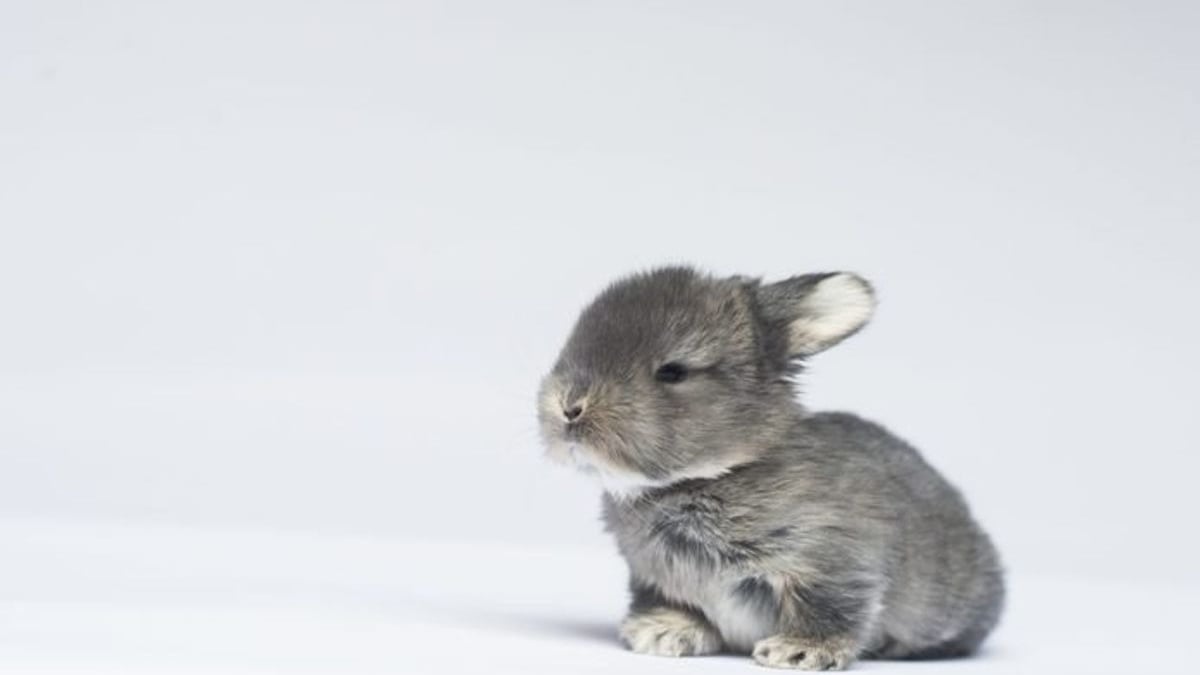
{"x": 839, "y": 305}
{"x": 848, "y": 288}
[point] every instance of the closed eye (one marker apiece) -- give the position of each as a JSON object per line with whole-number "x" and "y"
{"x": 671, "y": 373}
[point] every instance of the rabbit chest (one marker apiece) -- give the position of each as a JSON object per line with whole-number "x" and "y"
{"x": 697, "y": 551}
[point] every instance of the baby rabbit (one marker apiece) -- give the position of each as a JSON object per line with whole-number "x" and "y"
{"x": 749, "y": 523}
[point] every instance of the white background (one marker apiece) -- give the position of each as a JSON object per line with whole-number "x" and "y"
{"x": 294, "y": 269}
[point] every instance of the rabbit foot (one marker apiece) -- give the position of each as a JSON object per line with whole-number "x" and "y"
{"x": 789, "y": 651}
{"x": 668, "y": 632}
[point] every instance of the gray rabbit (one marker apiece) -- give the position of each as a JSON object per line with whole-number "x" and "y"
{"x": 749, "y": 523}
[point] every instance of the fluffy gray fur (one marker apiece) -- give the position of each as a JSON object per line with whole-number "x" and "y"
{"x": 749, "y": 523}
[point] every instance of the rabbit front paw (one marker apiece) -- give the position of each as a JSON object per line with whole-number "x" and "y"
{"x": 669, "y": 632}
{"x": 790, "y": 651}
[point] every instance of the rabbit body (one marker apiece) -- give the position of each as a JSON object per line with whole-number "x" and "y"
{"x": 843, "y": 532}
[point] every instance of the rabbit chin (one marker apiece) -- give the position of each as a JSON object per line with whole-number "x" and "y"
{"x": 624, "y": 484}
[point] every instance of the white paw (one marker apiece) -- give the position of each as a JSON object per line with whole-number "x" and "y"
{"x": 786, "y": 651}
{"x": 668, "y": 632}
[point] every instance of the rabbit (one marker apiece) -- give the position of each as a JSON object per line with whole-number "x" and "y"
{"x": 750, "y": 524}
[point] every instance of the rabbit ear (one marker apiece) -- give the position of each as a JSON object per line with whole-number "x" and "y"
{"x": 817, "y": 310}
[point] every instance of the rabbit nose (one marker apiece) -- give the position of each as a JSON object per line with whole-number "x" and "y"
{"x": 573, "y": 412}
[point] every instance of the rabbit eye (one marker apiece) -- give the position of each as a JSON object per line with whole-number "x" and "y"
{"x": 671, "y": 373}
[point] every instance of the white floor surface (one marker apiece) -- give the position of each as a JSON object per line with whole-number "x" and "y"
{"x": 103, "y": 598}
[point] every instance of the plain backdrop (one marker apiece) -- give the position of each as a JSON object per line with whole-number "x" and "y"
{"x": 298, "y": 266}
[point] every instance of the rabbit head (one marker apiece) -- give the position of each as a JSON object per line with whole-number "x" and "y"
{"x": 672, "y": 374}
